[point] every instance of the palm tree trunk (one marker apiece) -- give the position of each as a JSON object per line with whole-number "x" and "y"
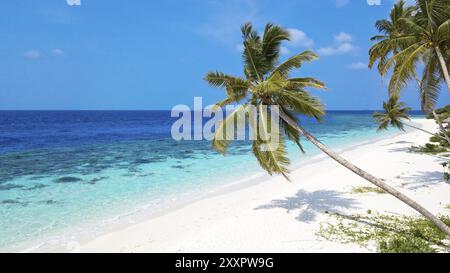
{"x": 436, "y": 117}
{"x": 428, "y": 132}
{"x": 372, "y": 179}
{"x": 443, "y": 66}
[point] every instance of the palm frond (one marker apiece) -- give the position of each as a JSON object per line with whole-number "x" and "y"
{"x": 443, "y": 32}
{"x": 306, "y": 82}
{"x": 430, "y": 84}
{"x": 404, "y": 70}
{"x": 300, "y": 102}
{"x": 292, "y": 133}
{"x": 272, "y": 159}
{"x": 225, "y": 132}
{"x": 236, "y": 88}
{"x": 295, "y": 62}
{"x": 273, "y": 37}
{"x": 394, "y": 114}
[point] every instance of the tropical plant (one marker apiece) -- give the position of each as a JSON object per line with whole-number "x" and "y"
{"x": 268, "y": 83}
{"x": 423, "y": 36}
{"x": 395, "y": 114}
{"x": 389, "y": 29}
{"x": 419, "y": 33}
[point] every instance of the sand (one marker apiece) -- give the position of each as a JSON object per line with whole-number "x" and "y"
{"x": 277, "y": 216}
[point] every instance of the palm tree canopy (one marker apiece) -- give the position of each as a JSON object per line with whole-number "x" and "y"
{"x": 389, "y": 29}
{"x": 267, "y": 82}
{"x": 412, "y": 39}
{"x": 394, "y": 114}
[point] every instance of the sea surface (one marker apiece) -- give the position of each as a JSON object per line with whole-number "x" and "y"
{"x": 69, "y": 174}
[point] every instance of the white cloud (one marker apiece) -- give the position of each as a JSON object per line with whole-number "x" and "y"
{"x": 341, "y": 3}
{"x": 57, "y": 52}
{"x": 337, "y": 50}
{"x": 32, "y": 54}
{"x": 342, "y": 45}
{"x": 73, "y": 2}
{"x": 374, "y": 2}
{"x": 299, "y": 38}
{"x": 343, "y": 37}
{"x": 357, "y": 66}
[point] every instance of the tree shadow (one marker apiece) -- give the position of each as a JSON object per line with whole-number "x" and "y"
{"x": 401, "y": 150}
{"x": 423, "y": 179}
{"x": 399, "y": 142}
{"x": 312, "y": 203}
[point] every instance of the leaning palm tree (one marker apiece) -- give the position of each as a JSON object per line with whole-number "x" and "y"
{"x": 266, "y": 84}
{"x": 419, "y": 33}
{"x": 395, "y": 114}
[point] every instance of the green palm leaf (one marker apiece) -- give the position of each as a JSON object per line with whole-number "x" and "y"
{"x": 295, "y": 62}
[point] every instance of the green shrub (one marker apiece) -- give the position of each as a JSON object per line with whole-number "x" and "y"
{"x": 443, "y": 113}
{"x": 440, "y": 140}
{"x": 429, "y": 149}
{"x": 389, "y": 233}
{"x": 402, "y": 244}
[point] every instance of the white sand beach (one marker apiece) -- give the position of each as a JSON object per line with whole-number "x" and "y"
{"x": 277, "y": 216}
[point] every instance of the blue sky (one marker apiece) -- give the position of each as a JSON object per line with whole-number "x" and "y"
{"x": 115, "y": 54}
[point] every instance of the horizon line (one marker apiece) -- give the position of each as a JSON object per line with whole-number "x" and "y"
{"x": 143, "y": 110}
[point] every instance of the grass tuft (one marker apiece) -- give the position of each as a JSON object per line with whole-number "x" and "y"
{"x": 358, "y": 190}
{"x": 389, "y": 233}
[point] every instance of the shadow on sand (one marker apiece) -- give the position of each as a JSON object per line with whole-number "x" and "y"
{"x": 399, "y": 142}
{"x": 423, "y": 179}
{"x": 312, "y": 203}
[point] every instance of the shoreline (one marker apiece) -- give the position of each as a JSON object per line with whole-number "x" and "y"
{"x": 189, "y": 220}
{"x": 92, "y": 228}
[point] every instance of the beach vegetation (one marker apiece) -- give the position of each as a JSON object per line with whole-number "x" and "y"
{"x": 267, "y": 83}
{"x": 396, "y": 114}
{"x": 387, "y": 233}
{"x": 443, "y": 113}
{"x": 429, "y": 148}
{"x": 361, "y": 190}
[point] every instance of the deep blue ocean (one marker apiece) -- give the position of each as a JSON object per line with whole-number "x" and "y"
{"x": 64, "y": 174}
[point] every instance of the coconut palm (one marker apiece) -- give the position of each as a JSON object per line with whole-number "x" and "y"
{"x": 389, "y": 28}
{"x": 425, "y": 36}
{"x": 419, "y": 33}
{"x": 266, "y": 84}
{"x": 395, "y": 114}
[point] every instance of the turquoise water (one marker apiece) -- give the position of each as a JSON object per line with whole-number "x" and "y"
{"x": 70, "y": 175}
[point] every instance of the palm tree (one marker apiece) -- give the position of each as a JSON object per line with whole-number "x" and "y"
{"x": 416, "y": 33}
{"x": 424, "y": 36}
{"x": 395, "y": 113}
{"x": 266, "y": 84}
{"x": 389, "y": 29}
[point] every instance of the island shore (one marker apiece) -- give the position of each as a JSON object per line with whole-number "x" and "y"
{"x": 278, "y": 216}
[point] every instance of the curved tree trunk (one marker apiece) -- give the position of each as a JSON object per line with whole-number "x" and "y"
{"x": 372, "y": 179}
{"x": 436, "y": 117}
{"x": 417, "y": 128}
{"x": 428, "y": 132}
{"x": 443, "y": 66}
